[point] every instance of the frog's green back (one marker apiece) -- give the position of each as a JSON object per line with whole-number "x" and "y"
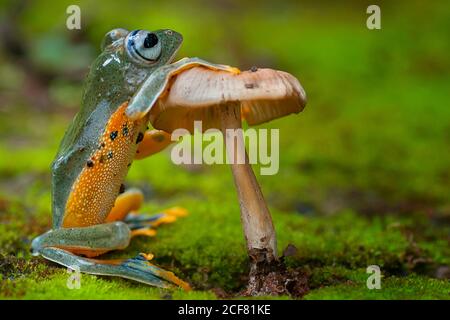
{"x": 103, "y": 94}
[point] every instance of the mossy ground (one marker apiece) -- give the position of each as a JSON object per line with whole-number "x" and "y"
{"x": 364, "y": 171}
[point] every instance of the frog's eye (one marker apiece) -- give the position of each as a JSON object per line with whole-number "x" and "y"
{"x": 143, "y": 46}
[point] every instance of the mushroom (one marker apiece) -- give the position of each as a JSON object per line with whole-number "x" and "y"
{"x": 221, "y": 99}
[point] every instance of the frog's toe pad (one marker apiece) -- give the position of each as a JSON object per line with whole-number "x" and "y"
{"x": 148, "y": 232}
{"x": 233, "y": 70}
{"x": 177, "y": 212}
{"x": 147, "y": 256}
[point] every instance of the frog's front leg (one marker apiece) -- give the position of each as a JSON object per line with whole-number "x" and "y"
{"x": 151, "y": 142}
{"x": 156, "y": 83}
{"x": 63, "y": 246}
{"x": 129, "y": 202}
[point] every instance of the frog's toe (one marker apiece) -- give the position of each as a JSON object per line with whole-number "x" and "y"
{"x": 148, "y": 232}
{"x": 177, "y": 212}
{"x": 233, "y": 70}
{"x": 141, "y": 221}
{"x": 147, "y": 256}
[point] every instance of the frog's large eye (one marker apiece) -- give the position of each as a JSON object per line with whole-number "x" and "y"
{"x": 143, "y": 46}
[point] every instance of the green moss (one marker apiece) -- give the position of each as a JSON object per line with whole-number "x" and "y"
{"x": 55, "y": 287}
{"x": 411, "y": 287}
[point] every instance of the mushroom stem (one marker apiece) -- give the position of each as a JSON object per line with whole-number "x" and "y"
{"x": 255, "y": 216}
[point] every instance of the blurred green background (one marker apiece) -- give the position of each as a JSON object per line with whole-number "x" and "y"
{"x": 364, "y": 171}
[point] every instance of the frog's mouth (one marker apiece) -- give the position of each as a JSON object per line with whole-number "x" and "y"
{"x": 172, "y": 57}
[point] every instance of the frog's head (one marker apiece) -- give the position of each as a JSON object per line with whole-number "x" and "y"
{"x": 127, "y": 58}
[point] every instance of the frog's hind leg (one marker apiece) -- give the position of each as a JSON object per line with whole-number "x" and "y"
{"x": 64, "y": 245}
{"x": 138, "y": 268}
{"x": 125, "y": 209}
{"x": 90, "y": 241}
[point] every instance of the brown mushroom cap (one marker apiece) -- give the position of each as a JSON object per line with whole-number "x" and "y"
{"x": 199, "y": 93}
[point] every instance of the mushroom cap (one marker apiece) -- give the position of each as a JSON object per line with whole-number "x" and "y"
{"x": 199, "y": 93}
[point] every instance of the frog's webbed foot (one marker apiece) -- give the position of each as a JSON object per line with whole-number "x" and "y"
{"x": 141, "y": 266}
{"x": 157, "y": 82}
{"x": 125, "y": 209}
{"x": 144, "y": 224}
{"x": 138, "y": 268}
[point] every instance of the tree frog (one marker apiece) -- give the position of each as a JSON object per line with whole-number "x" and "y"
{"x": 92, "y": 213}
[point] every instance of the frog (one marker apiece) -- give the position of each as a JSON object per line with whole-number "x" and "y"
{"x": 92, "y": 212}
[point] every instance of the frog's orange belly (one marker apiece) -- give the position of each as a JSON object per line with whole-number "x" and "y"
{"x": 96, "y": 188}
